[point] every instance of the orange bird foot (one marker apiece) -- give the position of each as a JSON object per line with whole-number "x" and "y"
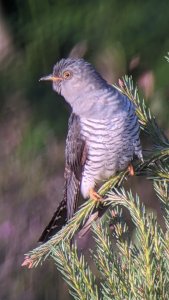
{"x": 27, "y": 262}
{"x": 131, "y": 170}
{"x": 94, "y": 195}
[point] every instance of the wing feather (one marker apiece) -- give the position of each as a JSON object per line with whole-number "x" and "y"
{"x": 75, "y": 156}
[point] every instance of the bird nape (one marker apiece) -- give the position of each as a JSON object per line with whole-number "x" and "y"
{"x": 103, "y": 135}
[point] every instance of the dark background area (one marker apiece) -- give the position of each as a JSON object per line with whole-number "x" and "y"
{"x": 118, "y": 37}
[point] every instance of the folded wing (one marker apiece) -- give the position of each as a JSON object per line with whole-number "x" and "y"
{"x": 75, "y": 157}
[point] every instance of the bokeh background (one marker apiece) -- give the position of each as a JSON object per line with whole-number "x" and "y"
{"x": 118, "y": 37}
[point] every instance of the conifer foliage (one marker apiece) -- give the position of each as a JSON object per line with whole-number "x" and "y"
{"x": 128, "y": 268}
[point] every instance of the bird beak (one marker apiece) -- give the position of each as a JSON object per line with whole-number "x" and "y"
{"x": 51, "y": 78}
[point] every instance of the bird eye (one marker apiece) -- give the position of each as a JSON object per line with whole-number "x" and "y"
{"x": 67, "y": 74}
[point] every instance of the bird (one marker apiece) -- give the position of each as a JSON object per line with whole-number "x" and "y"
{"x": 103, "y": 135}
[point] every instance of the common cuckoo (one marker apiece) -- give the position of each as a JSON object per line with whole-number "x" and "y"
{"x": 103, "y": 134}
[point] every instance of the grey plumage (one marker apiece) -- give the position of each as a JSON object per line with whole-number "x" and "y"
{"x": 103, "y": 132}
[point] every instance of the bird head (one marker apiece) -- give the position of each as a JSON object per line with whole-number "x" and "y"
{"x": 73, "y": 77}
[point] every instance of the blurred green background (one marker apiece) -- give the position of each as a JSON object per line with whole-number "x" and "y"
{"x": 118, "y": 37}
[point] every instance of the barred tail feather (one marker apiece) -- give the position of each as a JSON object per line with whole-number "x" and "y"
{"x": 58, "y": 220}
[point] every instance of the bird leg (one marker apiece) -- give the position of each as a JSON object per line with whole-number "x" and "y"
{"x": 131, "y": 169}
{"x": 94, "y": 195}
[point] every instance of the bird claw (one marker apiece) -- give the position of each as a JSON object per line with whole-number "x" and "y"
{"x": 131, "y": 170}
{"x": 28, "y": 262}
{"x": 94, "y": 195}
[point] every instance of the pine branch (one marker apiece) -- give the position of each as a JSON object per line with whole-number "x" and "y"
{"x": 126, "y": 273}
{"x": 39, "y": 254}
{"x": 75, "y": 271}
{"x": 138, "y": 217}
{"x": 125, "y": 251}
{"x": 103, "y": 260}
{"x": 117, "y": 282}
{"x": 148, "y": 124}
{"x": 145, "y": 239}
{"x": 161, "y": 188}
{"x": 159, "y": 171}
{"x": 146, "y": 119}
{"x": 148, "y": 262}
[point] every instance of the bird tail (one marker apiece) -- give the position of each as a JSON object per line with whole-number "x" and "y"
{"x": 58, "y": 220}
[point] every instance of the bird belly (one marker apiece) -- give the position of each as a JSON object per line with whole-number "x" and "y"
{"x": 98, "y": 167}
{"x": 107, "y": 153}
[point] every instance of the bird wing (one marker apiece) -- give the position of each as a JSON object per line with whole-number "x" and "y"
{"x": 76, "y": 154}
{"x": 75, "y": 157}
{"x": 132, "y": 130}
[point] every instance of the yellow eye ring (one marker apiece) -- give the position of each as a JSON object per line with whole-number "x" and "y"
{"x": 67, "y": 74}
